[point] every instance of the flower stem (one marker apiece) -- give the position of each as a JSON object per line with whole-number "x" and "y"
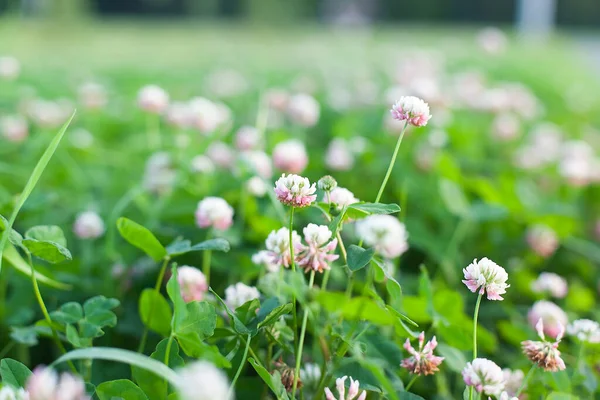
{"x": 40, "y": 300}
{"x": 239, "y": 371}
{"x": 159, "y": 279}
{"x": 475, "y": 316}
{"x": 301, "y": 344}
{"x": 527, "y": 378}
{"x": 153, "y": 131}
{"x": 412, "y": 381}
{"x": 206, "y": 259}
{"x": 392, "y": 162}
{"x": 293, "y": 267}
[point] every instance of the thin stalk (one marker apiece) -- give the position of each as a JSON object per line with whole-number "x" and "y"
{"x": 475, "y": 317}
{"x": 239, "y": 371}
{"x": 302, "y": 334}
{"x": 153, "y": 131}
{"x": 206, "y": 258}
{"x": 293, "y": 267}
{"x": 412, "y": 381}
{"x": 527, "y": 378}
{"x": 6, "y": 349}
{"x": 392, "y": 162}
{"x": 166, "y": 360}
{"x": 40, "y": 300}
{"x": 159, "y": 279}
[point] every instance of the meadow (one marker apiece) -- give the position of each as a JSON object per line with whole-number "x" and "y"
{"x": 447, "y": 250}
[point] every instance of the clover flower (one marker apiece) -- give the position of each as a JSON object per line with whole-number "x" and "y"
{"x": 304, "y": 110}
{"x": 278, "y": 249}
{"x": 295, "y": 191}
{"x": 585, "y": 330}
{"x": 422, "y": 361}
{"x": 153, "y": 99}
{"x": 545, "y": 354}
{"x": 88, "y": 225}
{"x": 554, "y": 317}
{"x": 513, "y": 379}
{"x": 385, "y": 233}
{"x": 192, "y": 283}
{"x": 215, "y": 212}
{"x": 341, "y": 389}
{"x": 487, "y": 277}
{"x": 484, "y": 376}
{"x": 411, "y": 109}
{"x": 45, "y": 384}
{"x": 542, "y": 239}
{"x": 238, "y": 294}
{"x": 341, "y": 197}
{"x": 316, "y": 256}
{"x": 290, "y": 156}
{"x": 549, "y": 282}
{"x": 201, "y": 380}
{"x": 14, "y": 128}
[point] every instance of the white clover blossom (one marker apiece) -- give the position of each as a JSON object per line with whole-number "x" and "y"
{"x": 513, "y": 379}
{"x": 545, "y": 354}
{"x": 290, "y": 156}
{"x": 277, "y": 253}
{"x": 204, "y": 115}
{"x": 411, "y": 109}
{"x": 247, "y": 138}
{"x": 220, "y": 154}
{"x": 202, "y": 164}
{"x": 153, "y": 99}
{"x": 256, "y": 186}
{"x": 339, "y": 156}
{"x": 14, "y": 128}
{"x": 214, "y": 212}
{"x": 46, "y": 384}
{"x": 542, "y": 239}
{"x": 88, "y": 225}
{"x": 341, "y": 197}
{"x": 294, "y": 190}
{"x": 9, "y": 393}
{"x": 10, "y": 68}
{"x": 304, "y": 110}
{"x": 192, "y": 283}
{"x": 310, "y": 374}
{"x": 487, "y": 277}
{"x": 316, "y": 256}
{"x": 549, "y": 282}
{"x": 585, "y": 330}
{"x": 259, "y": 162}
{"x": 485, "y": 376}
{"x": 159, "y": 174}
{"x": 385, "y": 233}
{"x": 201, "y": 380}
{"x": 554, "y": 318}
{"x": 341, "y": 389}
{"x": 240, "y": 293}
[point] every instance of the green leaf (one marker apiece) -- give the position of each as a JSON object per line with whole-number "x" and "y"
{"x": 391, "y": 284}
{"x": 97, "y": 316}
{"x": 14, "y": 373}
{"x": 124, "y": 356}
{"x": 141, "y": 237}
{"x": 179, "y": 305}
{"x": 453, "y": 358}
{"x": 454, "y": 199}
{"x": 47, "y": 233}
{"x": 120, "y": 389}
{"x": 156, "y": 388}
{"x": 155, "y": 311}
{"x": 379, "y": 373}
{"x": 275, "y": 315}
{"x": 30, "y": 185}
{"x": 334, "y": 225}
{"x": 375, "y": 208}
{"x": 356, "y": 308}
{"x": 409, "y": 396}
{"x": 88, "y": 330}
{"x": 47, "y": 251}
{"x": 27, "y": 335}
{"x": 358, "y": 257}
{"x": 238, "y": 326}
{"x": 272, "y": 381}
{"x": 68, "y": 313}
{"x": 12, "y": 256}
{"x": 14, "y": 237}
{"x": 73, "y": 336}
{"x": 201, "y": 319}
{"x": 99, "y": 303}
{"x": 180, "y": 247}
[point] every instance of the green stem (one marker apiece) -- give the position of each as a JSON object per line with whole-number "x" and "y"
{"x": 153, "y": 131}
{"x": 527, "y": 378}
{"x": 239, "y": 371}
{"x": 412, "y": 381}
{"x": 475, "y": 317}
{"x": 293, "y": 267}
{"x": 206, "y": 259}
{"x": 159, "y": 279}
{"x": 40, "y": 300}
{"x": 301, "y": 344}
{"x": 391, "y": 166}
{"x": 6, "y": 349}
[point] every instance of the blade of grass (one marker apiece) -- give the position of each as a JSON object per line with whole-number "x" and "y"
{"x": 33, "y": 180}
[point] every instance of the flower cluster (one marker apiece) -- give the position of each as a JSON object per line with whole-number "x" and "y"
{"x": 277, "y": 253}
{"x": 585, "y": 330}
{"x": 46, "y": 384}
{"x": 411, "y": 109}
{"x": 240, "y": 293}
{"x": 353, "y": 390}
{"x": 385, "y": 233}
{"x": 545, "y": 354}
{"x": 192, "y": 283}
{"x": 201, "y": 380}
{"x": 485, "y": 376}
{"x": 487, "y": 277}
{"x": 549, "y": 282}
{"x": 88, "y": 225}
{"x": 215, "y": 212}
{"x": 295, "y": 191}
{"x": 316, "y": 255}
{"x": 553, "y": 316}
{"x": 422, "y": 361}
